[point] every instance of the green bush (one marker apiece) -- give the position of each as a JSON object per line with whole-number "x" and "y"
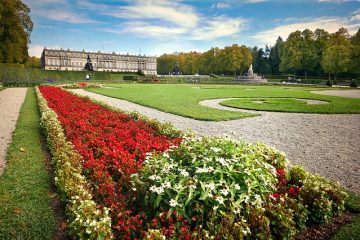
{"x": 353, "y": 83}
{"x": 230, "y": 189}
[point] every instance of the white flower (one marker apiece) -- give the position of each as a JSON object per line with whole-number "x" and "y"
{"x": 166, "y": 155}
{"x": 211, "y": 186}
{"x": 210, "y": 195}
{"x": 215, "y": 149}
{"x": 134, "y": 189}
{"x": 237, "y": 186}
{"x": 184, "y": 173}
{"x": 166, "y": 185}
{"x": 153, "y": 188}
{"x": 224, "y": 191}
{"x": 237, "y": 210}
{"x": 201, "y": 170}
{"x": 173, "y": 203}
{"x": 220, "y": 199}
{"x": 152, "y": 177}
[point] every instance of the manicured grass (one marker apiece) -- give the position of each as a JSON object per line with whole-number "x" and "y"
{"x": 350, "y": 231}
{"x": 183, "y": 99}
{"x": 25, "y": 196}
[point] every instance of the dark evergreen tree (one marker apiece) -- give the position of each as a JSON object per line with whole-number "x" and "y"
{"x": 275, "y": 56}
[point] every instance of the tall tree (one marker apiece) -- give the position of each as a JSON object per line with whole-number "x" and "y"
{"x": 299, "y": 53}
{"x": 260, "y": 61}
{"x": 275, "y": 56}
{"x": 355, "y": 54}
{"x": 336, "y": 56}
{"x": 321, "y": 41}
{"x": 291, "y": 56}
{"x": 15, "y": 29}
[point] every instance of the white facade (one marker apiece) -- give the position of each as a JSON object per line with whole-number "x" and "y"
{"x": 53, "y": 59}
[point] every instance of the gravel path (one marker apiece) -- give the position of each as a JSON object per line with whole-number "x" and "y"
{"x": 340, "y": 93}
{"x": 325, "y": 144}
{"x": 11, "y": 100}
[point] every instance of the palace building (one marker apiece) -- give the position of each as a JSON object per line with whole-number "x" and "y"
{"x": 53, "y": 59}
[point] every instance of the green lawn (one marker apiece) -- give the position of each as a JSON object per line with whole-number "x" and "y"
{"x": 25, "y": 204}
{"x": 183, "y": 99}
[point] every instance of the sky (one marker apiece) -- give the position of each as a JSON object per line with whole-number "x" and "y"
{"x": 154, "y": 27}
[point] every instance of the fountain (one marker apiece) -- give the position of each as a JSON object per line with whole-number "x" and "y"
{"x": 250, "y": 77}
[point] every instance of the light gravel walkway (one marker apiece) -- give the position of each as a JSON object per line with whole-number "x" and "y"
{"x": 340, "y": 93}
{"x": 11, "y": 100}
{"x": 325, "y": 144}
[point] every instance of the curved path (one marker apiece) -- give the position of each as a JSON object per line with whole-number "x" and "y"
{"x": 11, "y": 100}
{"x": 324, "y": 144}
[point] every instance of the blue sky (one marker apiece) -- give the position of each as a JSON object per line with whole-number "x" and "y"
{"x": 153, "y": 27}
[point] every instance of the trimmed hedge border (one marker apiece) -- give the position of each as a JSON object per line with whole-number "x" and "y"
{"x": 86, "y": 220}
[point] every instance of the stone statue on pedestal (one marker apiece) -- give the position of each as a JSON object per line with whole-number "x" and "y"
{"x": 88, "y": 65}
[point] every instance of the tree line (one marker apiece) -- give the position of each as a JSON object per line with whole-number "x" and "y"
{"x": 304, "y": 53}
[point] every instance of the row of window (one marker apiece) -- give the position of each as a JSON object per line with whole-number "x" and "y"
{"x": 121, "y": 58}
{"x": 121, "y": 65}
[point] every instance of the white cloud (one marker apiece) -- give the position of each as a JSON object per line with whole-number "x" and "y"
{"x": 35, "y": 50}
{"x": 165, "y": 19}
{"x": 63, "y": 15}
{"x": 221, "y": 5}
{"x": 356, "y": 16}
{"x": 219, "y": 27}
{"x": 329, "y": 24}
{"x": 145, "y": 30}
{"x": 173, "y": 12}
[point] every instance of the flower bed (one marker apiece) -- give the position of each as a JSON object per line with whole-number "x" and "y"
{"x": 159, "y": 184}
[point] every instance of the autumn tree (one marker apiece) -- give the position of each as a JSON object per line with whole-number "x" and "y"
{"x": 15, "y": 29}
{"x": 336, "y": 56}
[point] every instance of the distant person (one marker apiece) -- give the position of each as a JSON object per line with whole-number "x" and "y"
{"x": 87, "y": 77}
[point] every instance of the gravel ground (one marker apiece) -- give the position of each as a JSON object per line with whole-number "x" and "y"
{"x": 340, "y": 93}
{"x": 11, "y": 100}
{"x": 325, "y": 144}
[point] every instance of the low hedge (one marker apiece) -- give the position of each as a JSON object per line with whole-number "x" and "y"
{"x": 86, "y": 220}
{"x": 12, "y": 76}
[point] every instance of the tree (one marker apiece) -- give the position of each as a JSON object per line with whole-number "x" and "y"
{"x": 299, "y": 53}
{"x": 355, "y": 54}
{"x": 321, "y": 41}
{"x": 291, "y": 56}
{"x": 33, "y": 62}
{"x": 15, "y": 29}
{"x": 260, "y": 61}
{"x": 275, "y": 56}
{"x": 336, "y": 56}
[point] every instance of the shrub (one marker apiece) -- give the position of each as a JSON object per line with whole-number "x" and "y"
{"x": 353, "y": 83}
{"x": 231, "y": 189}
{"x": 329, "y": 83}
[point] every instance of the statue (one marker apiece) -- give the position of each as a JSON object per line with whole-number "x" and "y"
{"x": 176, "y": 69}
{"x": 251, "y": 71}
{"x": 88, "y": 65}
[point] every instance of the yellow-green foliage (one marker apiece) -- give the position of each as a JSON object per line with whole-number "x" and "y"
{"x": 87, "y": 221}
